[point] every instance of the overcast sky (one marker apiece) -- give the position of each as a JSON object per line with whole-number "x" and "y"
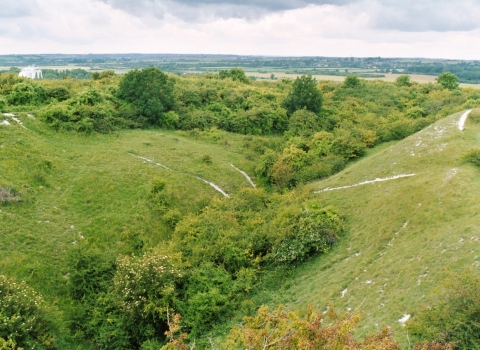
{"x": 387, "y": 28}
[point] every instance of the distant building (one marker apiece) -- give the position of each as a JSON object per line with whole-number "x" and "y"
{"x": 31, "y": 72}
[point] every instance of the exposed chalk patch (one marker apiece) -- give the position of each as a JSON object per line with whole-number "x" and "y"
{"x": 462, "y": 120}
{"x": 451, "y": 174}
{"x": 152, "y": 162}
{"x": 5, "y": 122}
{"x": 344, "y": 292}
{"x": 404, "y": 319}
{"x": 245, "y": 174}
{"x": 8, "y": 115}
{"x": 213, "y": 185}
{"x": 366, "y": 182}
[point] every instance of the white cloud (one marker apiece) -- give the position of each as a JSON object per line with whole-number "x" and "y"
{"x": 364, "y": 28}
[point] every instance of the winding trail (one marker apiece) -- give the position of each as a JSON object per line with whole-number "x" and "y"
{"x": 216, "y": 187}
{"x": 463, "y": 119}
{"x": 246, "y": 175}
{"x": 366, "y": 182}
{"x": 213, "y": 185}
{"x": 152, "y": 162}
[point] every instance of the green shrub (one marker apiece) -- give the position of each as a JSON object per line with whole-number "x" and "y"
{"x": 3, "y": 103}
{"x": 454, "y": 316}
{"x": 303, "y": 123}
{"x": 473, "y": 156}
{"x": 207, "y": 159}
{"x": 311, "y": 231}
{"x": 25, "y": 317}
{"x": 27, "y": 93}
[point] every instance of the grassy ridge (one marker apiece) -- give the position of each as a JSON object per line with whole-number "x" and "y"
{"x": 404, "y": 234}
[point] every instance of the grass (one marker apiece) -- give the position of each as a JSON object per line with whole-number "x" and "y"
{"x": 75, "y": 186}
{"x": 403, "y": 234}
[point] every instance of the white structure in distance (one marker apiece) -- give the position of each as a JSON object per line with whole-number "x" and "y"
{"x": 31, "y": 72}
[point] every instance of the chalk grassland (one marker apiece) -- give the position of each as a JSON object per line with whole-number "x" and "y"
{"x": 404, "y": 235}
{"x": 93, "y": 188}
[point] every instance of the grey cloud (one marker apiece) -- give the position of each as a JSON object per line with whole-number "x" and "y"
{"x": 404, "y": 15}
{"x": 17, "y": 8}
{"x": 420, "y": 16}
{"x": 192, "y": 9}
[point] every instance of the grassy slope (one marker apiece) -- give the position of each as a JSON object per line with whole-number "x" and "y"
{"x": 94, "y": 184}
{"x": 440, "y": 208}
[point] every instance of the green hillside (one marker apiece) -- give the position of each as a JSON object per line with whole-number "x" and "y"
{"x": 124, "y": 204}
{"x": 94, "y": 188}
{"x": 404, "y": 234}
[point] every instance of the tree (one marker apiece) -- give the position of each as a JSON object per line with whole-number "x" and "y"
{"x": 150, "y": 91}
{"x": 236, "y": 74}
{"x": 448, "y": 80}
{"x": 403, "y": 80}
{"x": 351, "y": 81}
{"x": 304, "y": 94}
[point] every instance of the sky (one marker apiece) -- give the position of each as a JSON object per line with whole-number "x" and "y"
{"x": 359, "y": 28}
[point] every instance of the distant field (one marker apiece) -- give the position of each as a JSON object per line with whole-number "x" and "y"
{"x": 266, "y": 72}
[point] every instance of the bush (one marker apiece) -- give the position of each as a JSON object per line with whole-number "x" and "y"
{"x": 455, "y": 315}
{"x": 473, "y": 156}
{"x": 313, "y": 230}
{"x": 303, "y": 123}
{"x": 144, "y": 288}
{"x": 25, "y": 317}
{"x": 3, "y": 103}
{"x": 27, "y": 93}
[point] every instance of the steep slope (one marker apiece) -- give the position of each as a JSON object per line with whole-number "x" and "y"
{"x": 95, "y": 188}
{"x": 412, "y": 213}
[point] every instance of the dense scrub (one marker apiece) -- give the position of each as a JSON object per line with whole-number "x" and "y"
{"x": 323, "y": 125}
{"x": 207, "y": 262}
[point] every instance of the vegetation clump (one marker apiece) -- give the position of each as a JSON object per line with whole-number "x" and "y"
{"x": 473, "y": 156}
{"x": 9, "y": 195}
{"x": 455, "y": 316}
{"x": 25, "y": 317}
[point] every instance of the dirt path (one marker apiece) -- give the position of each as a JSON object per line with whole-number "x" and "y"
{"x": 463, "y": 119}
{"x": 366, "y": 182}
{"x": 216, "y": 187}
{"x": 246, "y": 175}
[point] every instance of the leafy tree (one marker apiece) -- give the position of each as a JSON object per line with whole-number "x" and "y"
{"x": 150, "y": 91}
{"x": 403, "y": 80}
{"x": 351, "y": 81}
{"x": 236, "y": 74}
{"x": 304, "y": 94}
{"x": 448, "y": 80}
